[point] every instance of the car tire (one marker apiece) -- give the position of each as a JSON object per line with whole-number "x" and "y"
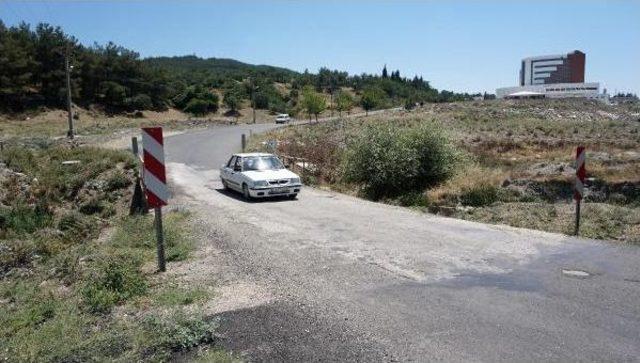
{"x": 292, "y": 196}
{"x": 245, "y": 192}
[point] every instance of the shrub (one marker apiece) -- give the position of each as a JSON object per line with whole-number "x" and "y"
{"x": 232, "y": 99}
{"x": 172, "y": 296}
{"x": 372, "y": 97}
{"x": 201, "y": 107}
{"x": 140, "y": 102}
{"x": 117, "y": 180}
{"x": 75, "y": 225}
{"x": 178, "y": 332}
{"x": 92, "y": 206}
{"x": 20, "y": 159}
{"x": 15, "y": 253}
{"x": 261, "y": 101}
{"x": 114, "y": 94}
{"x": 413, "y": 199}
{"x": 116, "y": 278}
{"x": 278, "y": 105}
{"x": 23, "y": 218}
{"x": 389, "y": 161}
{"x": 480, "y": 195}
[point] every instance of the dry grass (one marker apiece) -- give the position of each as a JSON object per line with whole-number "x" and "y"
{"x": 473, "y": 177}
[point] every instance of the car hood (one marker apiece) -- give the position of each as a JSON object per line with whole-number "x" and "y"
{"x": 269, "y": 174}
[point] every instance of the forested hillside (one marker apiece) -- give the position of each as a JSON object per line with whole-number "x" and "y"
{"x": 115, "y": 80}
{"x": 32, "y": 72}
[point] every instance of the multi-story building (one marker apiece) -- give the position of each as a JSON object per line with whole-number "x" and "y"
{"x": 552, "y": 76}
{"x": 563, "y": 68}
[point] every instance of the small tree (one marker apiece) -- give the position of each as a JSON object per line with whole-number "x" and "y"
{"x": 115, "y": 95}
{"x": 200, "y": 107}
{"x": 232, "y": 101}
{"x": 313, "y": 102}
{"x": 371, "y": 98}
{"x": 140, "y": 102}
{"x": 344, "y": 102}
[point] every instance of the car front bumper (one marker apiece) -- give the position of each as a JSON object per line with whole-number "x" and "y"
{"x": 266, "y": 192}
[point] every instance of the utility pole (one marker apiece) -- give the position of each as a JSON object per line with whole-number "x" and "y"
{"x": 254, "y": 88}
{"x": 69, "y": 107}
{"x": 331, "y": 102}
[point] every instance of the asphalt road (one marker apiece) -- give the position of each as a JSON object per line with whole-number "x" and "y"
{"x": 351, "y": 280}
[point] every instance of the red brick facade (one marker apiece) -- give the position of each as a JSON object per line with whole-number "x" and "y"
{"x": 576, "y": 66}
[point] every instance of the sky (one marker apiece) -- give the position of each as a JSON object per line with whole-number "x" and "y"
{"x": 464, "y": 46}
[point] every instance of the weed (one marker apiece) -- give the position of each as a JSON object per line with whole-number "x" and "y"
{"x": 215, "y": 356}
{"x": 180, "y": 331}
{"x": 173, "y": 296}
{"x": 23, "y": 218}
{"x": 479, "y": 195}
{"x": 139, "y": 232}
{"x": 15, "y": 253}
{"x": 117, "y": 180}
{"x": 116, "y": 278}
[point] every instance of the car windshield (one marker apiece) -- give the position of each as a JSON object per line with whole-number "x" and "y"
{"x": 262, "y": 163}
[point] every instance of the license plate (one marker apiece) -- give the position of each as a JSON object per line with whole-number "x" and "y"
{"x": 279, "y": 191}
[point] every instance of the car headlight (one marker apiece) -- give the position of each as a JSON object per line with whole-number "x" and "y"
{"x": 295, "y": 180}
{"x": 260, "y": 183}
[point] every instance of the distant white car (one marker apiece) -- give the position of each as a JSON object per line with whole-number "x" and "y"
{"x": 283, "y": 118}
{"x": 259, "y": 175}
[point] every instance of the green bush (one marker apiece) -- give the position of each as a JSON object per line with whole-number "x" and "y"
{"x": 114, "y": 94}
{"x": 389, "y": 160}
{"x": 179, "y": 332}
{"x": 76, "y": 226}
{"x": 117, "y": 180}
{"x": 20, "y": 159}
{"x": 479, "y": 196}
{"x": 15, "y": 253}
{"x": 22, "y": 218}
{"x": 92, "y": 206}
{"x": 413, "y": 199}
{"x": 261, "y": 100}
{"x": 201, "y": 107}
{"x": 116, "y": 278}
{"x": 140, "y": 102}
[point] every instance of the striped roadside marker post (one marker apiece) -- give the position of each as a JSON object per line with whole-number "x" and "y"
{"x": 581, "y": 173}
{"x": 155, "y": 182}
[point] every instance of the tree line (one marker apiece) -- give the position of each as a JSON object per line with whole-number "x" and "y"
{"x": 116, "y": 79}
{"x": 32, "y": 72}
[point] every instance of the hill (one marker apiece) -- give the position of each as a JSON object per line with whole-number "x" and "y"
{"x": 221, "y": 68}
{"x": 115, "y": 80}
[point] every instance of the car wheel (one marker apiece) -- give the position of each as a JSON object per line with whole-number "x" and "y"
{"x": 292, "y": 196}
{"x": 245, "y": 192}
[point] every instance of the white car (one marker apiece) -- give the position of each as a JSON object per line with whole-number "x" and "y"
{"x": 283, "y": 118}
{"x": 259, "y": 175}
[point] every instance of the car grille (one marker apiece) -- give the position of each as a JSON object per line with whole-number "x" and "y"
{"x": 278, "y": 182}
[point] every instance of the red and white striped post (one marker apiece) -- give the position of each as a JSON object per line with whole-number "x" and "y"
{"x": 155, "y": 182}
{"x": 581, "y": 173}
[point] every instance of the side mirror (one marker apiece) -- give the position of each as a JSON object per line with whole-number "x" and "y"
{"x": 237, "y": 168}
